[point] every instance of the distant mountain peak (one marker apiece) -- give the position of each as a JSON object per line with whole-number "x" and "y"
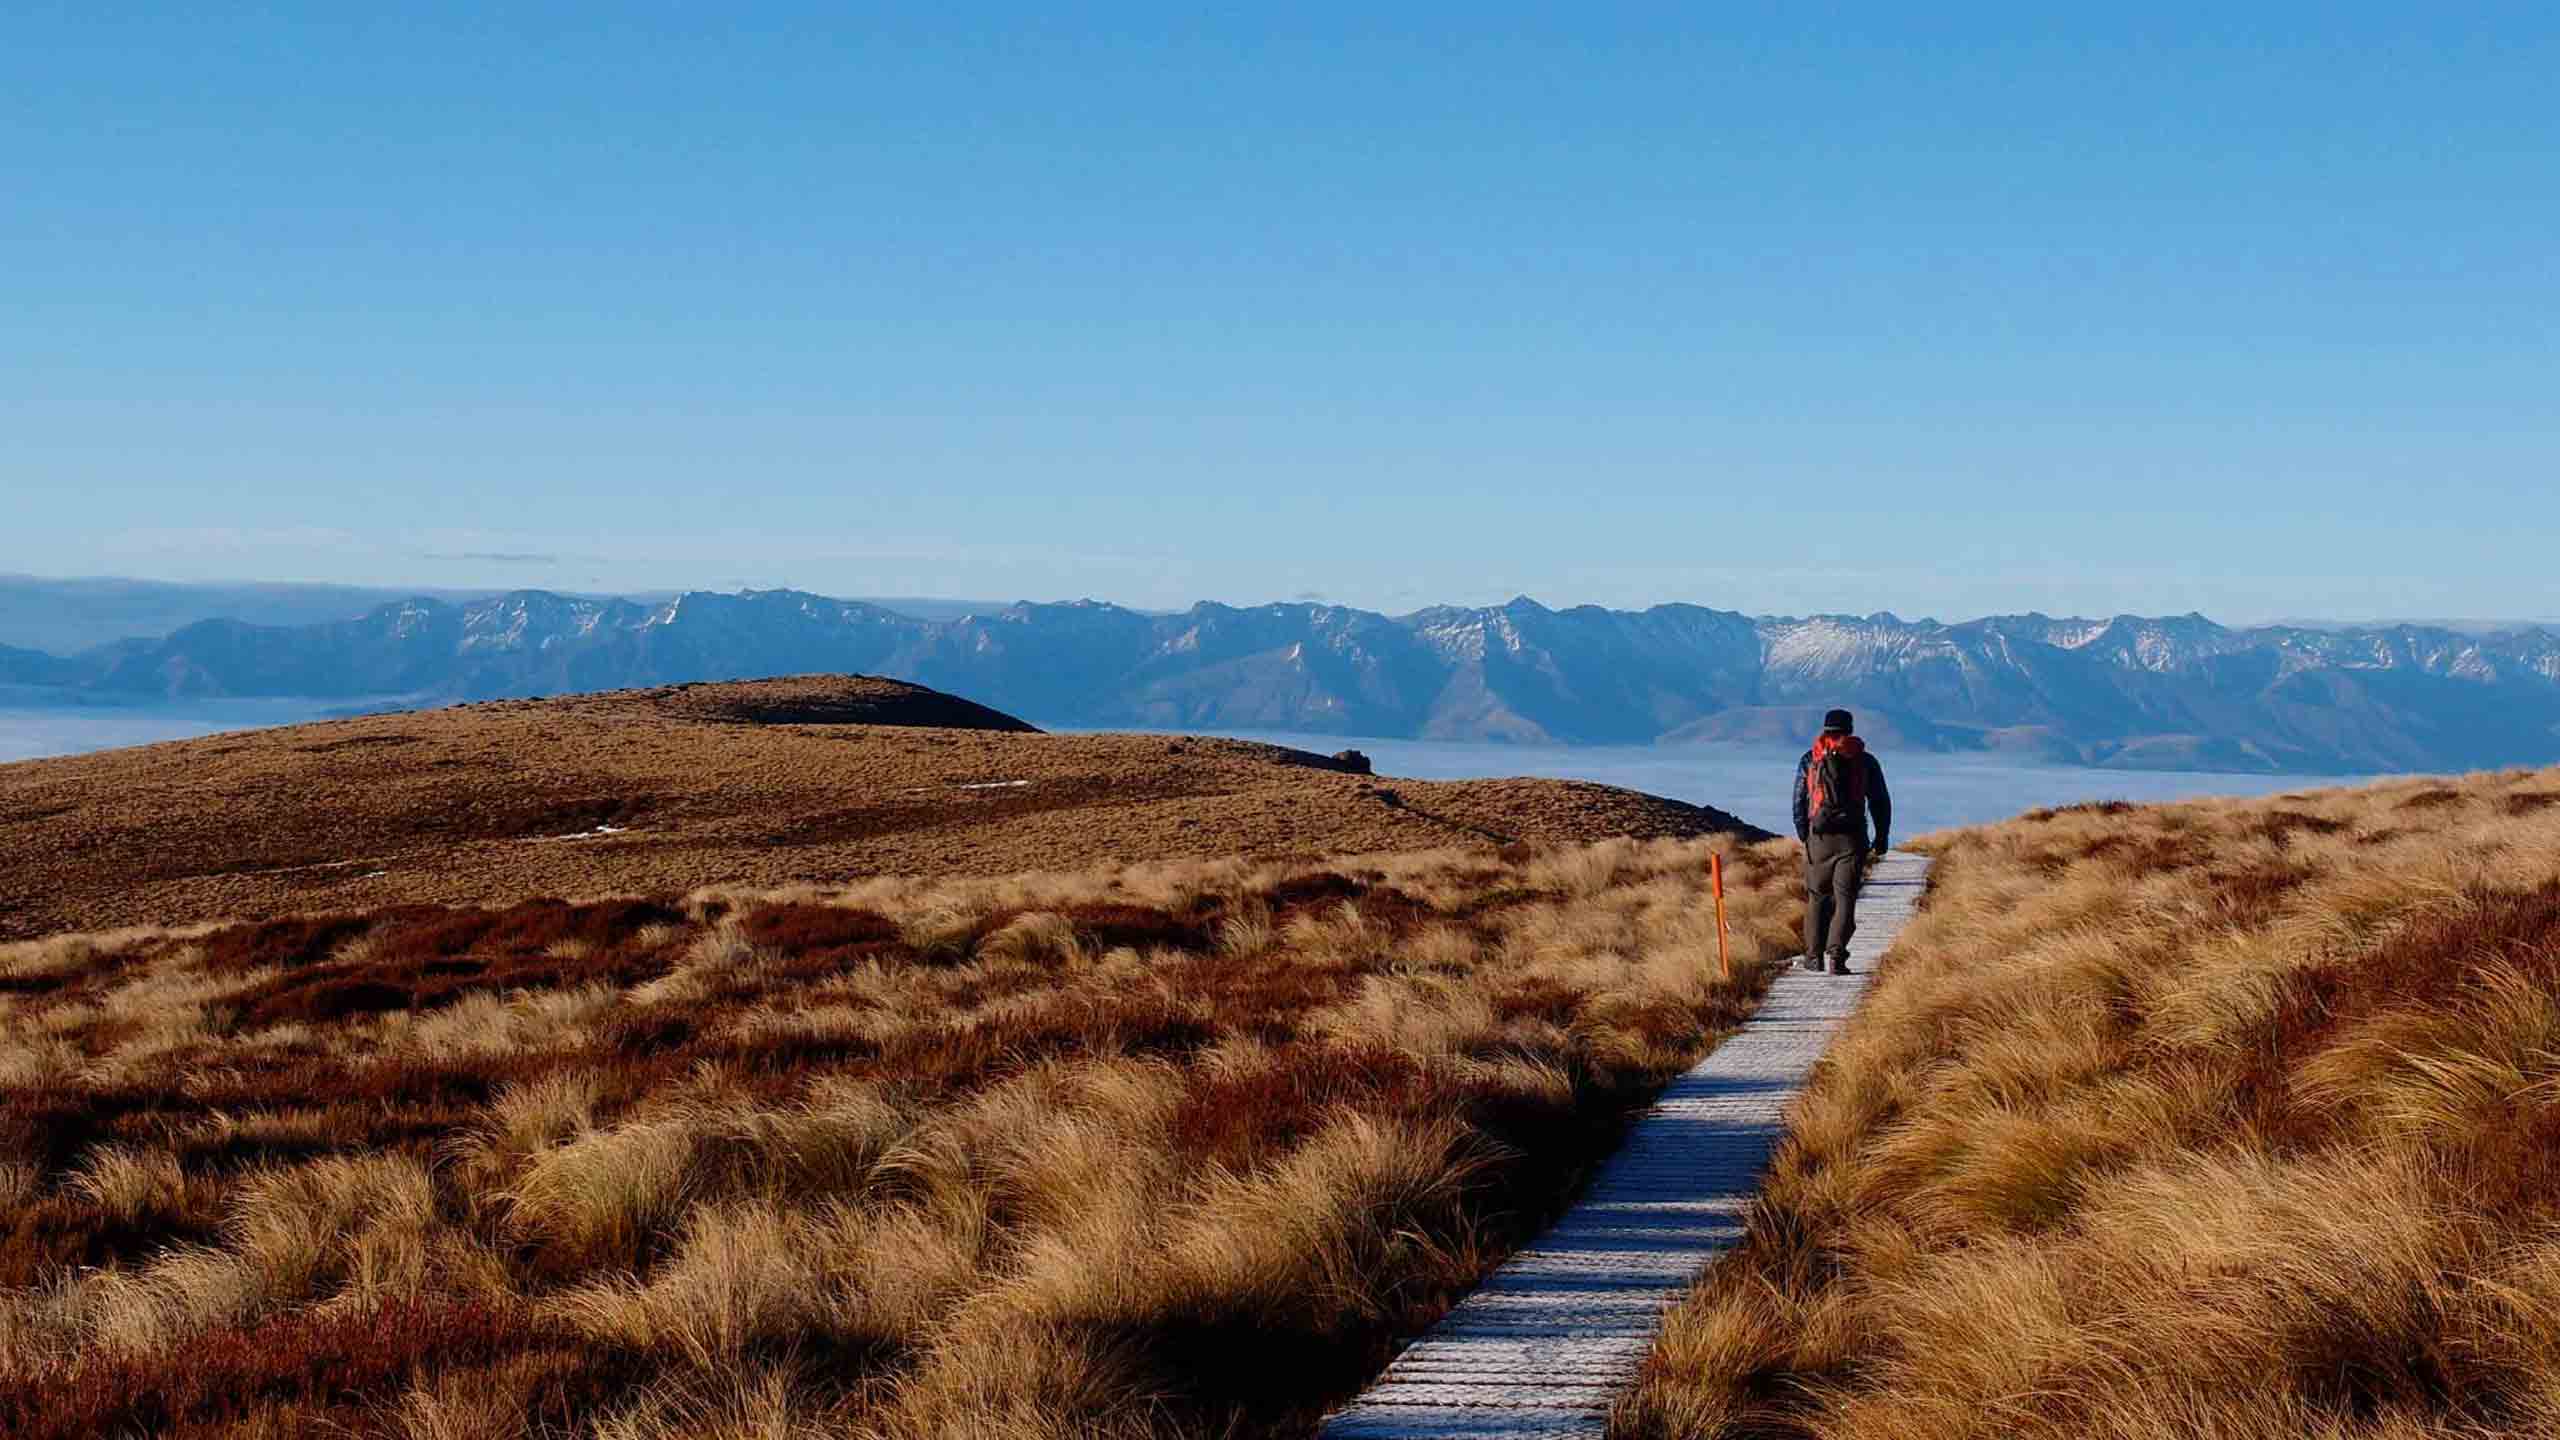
{"x": 2129, "y": 689}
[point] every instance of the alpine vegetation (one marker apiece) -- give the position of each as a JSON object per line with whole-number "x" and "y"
{"x": 1167, "y": 1150}
{"x": 2228, "y": 1119}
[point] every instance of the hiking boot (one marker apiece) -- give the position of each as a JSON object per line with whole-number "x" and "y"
{"x": 1840, "y": 964}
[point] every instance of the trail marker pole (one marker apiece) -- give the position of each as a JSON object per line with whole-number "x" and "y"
{"x": 1724, "y": 948}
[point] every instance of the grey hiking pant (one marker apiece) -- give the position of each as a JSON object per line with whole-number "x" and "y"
{"x": 1833, "y": 866}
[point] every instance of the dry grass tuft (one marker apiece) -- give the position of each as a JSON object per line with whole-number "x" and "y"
{"x": 2232, "y": 1119}
{"x": 1181, "y": 1149}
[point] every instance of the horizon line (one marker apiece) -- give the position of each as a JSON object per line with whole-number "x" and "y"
{"x": 447, "y": 594}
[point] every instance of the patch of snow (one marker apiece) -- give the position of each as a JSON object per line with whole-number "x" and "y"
{"x": 1822, "y": 647}
{"x": 993, "y": 785}
{"x": 1461, "y": 639}
{"x": 411, "y": 620}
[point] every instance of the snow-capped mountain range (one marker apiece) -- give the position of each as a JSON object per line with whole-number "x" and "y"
{"x": 2173, "y": 692}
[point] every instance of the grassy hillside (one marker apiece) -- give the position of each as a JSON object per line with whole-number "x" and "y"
{"x": 2232, "y": 1120}
{"x": 1170, "y": 1150}
{"x": 766, "y": 783}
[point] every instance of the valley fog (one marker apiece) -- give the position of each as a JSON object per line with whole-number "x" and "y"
{"x": 1930, "y": 791}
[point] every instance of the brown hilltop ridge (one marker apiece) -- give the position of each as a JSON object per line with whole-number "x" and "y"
{"x": 804, "y": 700}
{"x": 660, "y": 791}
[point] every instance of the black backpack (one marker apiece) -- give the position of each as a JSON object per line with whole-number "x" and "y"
{"x": 1835, "y": 787}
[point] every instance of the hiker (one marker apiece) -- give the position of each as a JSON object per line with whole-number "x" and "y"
{"x": 1837, "y": 784}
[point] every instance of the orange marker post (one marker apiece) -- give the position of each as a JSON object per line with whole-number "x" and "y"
{"x": 1724, "y": 948}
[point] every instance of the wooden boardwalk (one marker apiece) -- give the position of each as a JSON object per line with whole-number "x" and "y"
{"x": 1545, "y": 1346}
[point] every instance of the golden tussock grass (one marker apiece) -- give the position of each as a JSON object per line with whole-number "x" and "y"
{"x": 1145, "y": 1151}
{"x": 2230, "y": 1119}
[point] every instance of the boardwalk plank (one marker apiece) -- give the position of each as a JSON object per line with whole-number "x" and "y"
{"x": 1544, "y": 1346}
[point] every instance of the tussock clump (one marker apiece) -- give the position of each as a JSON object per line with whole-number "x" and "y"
{"x": 2237, "y": 1119}
{"x": 1180, "y": 1149}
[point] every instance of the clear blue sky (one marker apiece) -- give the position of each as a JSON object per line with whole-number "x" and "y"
{"x": 1942, "y": 309}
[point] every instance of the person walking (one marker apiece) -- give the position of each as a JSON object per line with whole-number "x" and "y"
{"x": 1838, "y": 784}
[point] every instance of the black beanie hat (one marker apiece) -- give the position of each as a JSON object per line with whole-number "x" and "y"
{"x": 1839, "y": 722}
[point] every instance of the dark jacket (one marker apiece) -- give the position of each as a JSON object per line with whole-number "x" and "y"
{"x": 1879, "y": 800}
